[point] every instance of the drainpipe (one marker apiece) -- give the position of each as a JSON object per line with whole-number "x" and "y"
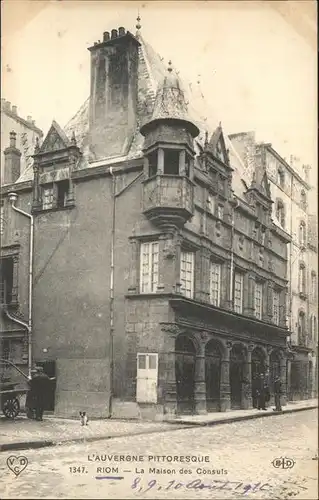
{"x": 112, "y": 295}
{"x": 290, "y": 259}
{"x": 232, "y": 256}
{"x": 114, "y": 196}
{"x": 13, "y": 198}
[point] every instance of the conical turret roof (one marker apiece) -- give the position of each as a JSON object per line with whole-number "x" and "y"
{"x": 170, "y": 104}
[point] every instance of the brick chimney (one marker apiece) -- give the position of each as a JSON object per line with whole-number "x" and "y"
{"x": 12, "y": 157}
{"x": 113, "y": 98}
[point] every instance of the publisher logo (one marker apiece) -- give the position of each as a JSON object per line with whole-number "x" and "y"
{"x": 283, "y": 463}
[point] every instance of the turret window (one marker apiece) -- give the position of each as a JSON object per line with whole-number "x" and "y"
{"x": 152, "y": 163}
{"x": 171, "y": 162}
{"x": 187, "y": 165}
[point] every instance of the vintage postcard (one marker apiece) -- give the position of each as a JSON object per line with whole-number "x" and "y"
{"x": 159, "y": 250}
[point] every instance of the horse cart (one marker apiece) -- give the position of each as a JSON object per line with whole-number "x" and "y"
{"x": 11, "y": 392}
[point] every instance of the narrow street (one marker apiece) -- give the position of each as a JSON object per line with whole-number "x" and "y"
{"x": 237, "y": 461}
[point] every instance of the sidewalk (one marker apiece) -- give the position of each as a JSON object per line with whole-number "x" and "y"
{"x": 23, "y": 433}
{"x": 237, "y": 415}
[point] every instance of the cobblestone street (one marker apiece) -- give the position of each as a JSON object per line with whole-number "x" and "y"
{"x": 242, "y": 452}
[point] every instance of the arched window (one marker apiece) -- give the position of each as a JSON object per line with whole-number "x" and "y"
{"x": 302, "y": 233}
{"x": 303, "y": 199}
{"x": 280, "y": 213}
{"x": 313, "y": 286}
{"x": 301, "y": 328}
{"x": 302, "y": 278}
{"x": 281, "y": 177}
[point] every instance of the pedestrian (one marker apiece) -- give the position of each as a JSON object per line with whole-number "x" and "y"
{"x": 39, "y": 386}
{"x": 277, "y": 388}
{"x": 261, "y": 394}
{"x": 30, "y": 399}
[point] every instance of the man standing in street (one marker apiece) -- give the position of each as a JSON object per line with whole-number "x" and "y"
{"x": 277, "y": 388}
{"x": 39, "y": 386}
{"x": 261, "y": 396}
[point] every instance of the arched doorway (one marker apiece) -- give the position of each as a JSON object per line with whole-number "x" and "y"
{"x": 185, "y": 374}
{"x": 258, "y": 366}
{"x": 274, "y": 369}
{"x": 237, "y": 360}
{"x": 212, "y": 375}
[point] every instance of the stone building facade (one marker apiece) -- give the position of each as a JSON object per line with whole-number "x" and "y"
{"x": 26, "y": 133}
{"x": 18, "y": 136}
{"x": 293, "y": 211}
{"x": 159, "y": 277}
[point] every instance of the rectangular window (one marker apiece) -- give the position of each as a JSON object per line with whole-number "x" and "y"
{"x": 152, "y": 163}
{"x": 6, "y": 277}
{"x": 187, "y": 274}
{"x": 220, "y": 211}
{"x": 171, "y": 162}
{"x": 142, "y": 362}
{"x": 215, "y": 273}
{"x": 149, "y": 267}
{"x": 258, "y": 300}
{"x": 47, "y": 197}
{"x": 211, "y": 204}
{"x": 62, "y": 193}
{"x": 275, "y": 307}
{"x": 6, "y": 349}
{"x": 238, "y": 292}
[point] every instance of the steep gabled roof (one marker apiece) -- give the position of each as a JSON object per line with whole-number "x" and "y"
{"x": 55, "y": 139}
{"x": 151, "y": 73}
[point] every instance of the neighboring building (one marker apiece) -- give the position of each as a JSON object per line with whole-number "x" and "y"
{"x": 159, "y": 277}
{"x": 26, "y": 133}
{"x": 18, "y": 138}
{"x": 290, "y": 192}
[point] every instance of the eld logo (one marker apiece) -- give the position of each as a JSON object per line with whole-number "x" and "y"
{"x": 283, "y": 463}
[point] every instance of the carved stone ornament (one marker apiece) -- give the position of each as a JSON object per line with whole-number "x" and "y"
{"x": 171, "y": 328}
{"x": 229, "y": 344}
{"x": 251, "y": 347}
{"x": 169, "y": 249}
{"x": 204, "y": 336}
{"x": 269, "y": 348}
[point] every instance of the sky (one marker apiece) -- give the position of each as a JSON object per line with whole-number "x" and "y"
{"x": 257, "y": 70}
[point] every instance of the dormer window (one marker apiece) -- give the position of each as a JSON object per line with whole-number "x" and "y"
{"x": 62, "y": 193}
{"x": 171, "y": 162}
{"x": 47, "y": 197}
{"x": 55, "y": 195}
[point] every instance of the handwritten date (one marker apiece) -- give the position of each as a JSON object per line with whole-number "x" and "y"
{"x": 198, "y": 484}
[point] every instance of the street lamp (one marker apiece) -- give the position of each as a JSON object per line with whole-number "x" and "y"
{"x": 13, "y": 197}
